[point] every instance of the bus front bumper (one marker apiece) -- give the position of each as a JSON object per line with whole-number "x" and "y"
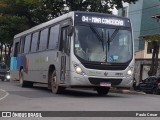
{"x": 85, "y": 80}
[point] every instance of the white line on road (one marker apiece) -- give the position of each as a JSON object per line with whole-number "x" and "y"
{"x": 6, "y": 94}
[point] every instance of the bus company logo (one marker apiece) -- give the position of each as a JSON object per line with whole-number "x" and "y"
{"x": 6, "y": 114}
{"x": 21, "y": 114}
{"x": 105, "y": 74}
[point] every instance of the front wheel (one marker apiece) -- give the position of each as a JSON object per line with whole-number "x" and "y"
{"x": 56, "y": 89}
{"x": 102, "y": 90}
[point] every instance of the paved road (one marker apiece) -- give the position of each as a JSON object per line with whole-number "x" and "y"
{"x": 13, "y": 97}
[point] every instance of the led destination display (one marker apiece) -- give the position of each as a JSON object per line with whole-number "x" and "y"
{"x": 99, "y": 20}
{"x": 103, "y": 19}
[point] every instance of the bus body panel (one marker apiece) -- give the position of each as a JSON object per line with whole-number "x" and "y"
{"x": 38, "y": 62}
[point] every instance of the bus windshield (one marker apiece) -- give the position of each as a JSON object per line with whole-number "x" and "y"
{"x": 113, "y": 45}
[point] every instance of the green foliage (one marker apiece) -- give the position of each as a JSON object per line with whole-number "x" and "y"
{"x": 104, "y": 6}
{"x": 11, "y": 25}
{"x": 19, "y": 15}
{"x": 89, "y": 5}
{"x": 149, "y": 38}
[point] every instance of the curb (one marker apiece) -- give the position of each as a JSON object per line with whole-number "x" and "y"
{"x": 126, "y": 91}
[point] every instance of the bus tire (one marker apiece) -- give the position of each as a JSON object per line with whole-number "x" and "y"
{"x": 102, "y": 90}
{"x": 56, "y": 89}
{"x": 155, "y": 91}
{"x": 22, "y": 82}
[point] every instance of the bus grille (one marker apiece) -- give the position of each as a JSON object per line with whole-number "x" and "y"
{"x": 105, "y": 67}
{"x": 97, "y": 81}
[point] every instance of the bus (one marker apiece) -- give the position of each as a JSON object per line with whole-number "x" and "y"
{"x": 76, "y": 50}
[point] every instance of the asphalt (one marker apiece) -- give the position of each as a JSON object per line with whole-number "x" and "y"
{"x": 112, "y": 90}
{"x": 2, "y": 93}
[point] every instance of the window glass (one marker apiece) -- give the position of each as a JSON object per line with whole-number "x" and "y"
{"x": 103, "y": 44}
{"x": 64, "y": 45}
{"x": 22, "y": 44}
{"x": 34, "y": 41}
{"x": 16, "y": 49}
{"x": 27, "y": 43}
{"x": 123, "y": 40}
{"x": 43, "y": 39}
{"x": 53, "y": 38}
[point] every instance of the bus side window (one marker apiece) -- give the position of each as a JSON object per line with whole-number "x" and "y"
{"x": 16, "y": 49}
{"x": 30, "y": 43}
{"x": 53, "y": 37}
{"x": 27, "y": 43}
{"x": 22, "y": 43}
{"x": 34, "y": 44}
{"x": 43, "y": 39}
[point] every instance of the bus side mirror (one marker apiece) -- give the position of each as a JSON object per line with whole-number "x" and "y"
{"x": 70, "y": 30}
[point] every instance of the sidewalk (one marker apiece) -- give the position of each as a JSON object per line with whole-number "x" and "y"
{"x": 126, "y": 91}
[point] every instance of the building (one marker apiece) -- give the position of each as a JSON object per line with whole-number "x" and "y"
{"x": 144, "y": 15}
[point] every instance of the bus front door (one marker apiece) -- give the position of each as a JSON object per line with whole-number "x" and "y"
{"x": 64, "y": 57}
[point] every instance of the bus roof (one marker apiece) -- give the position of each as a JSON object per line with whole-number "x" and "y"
{"x": 60, "y": 18}
{"x": 65, "y": 16}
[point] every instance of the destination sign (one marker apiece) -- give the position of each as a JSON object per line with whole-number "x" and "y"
{"x": 99, "y": 20}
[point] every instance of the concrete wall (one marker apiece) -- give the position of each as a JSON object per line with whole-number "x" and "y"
{"x": 139, "y": 63}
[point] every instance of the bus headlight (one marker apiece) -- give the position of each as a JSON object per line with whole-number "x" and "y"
{"x": 8, "y": 77}
{"x": 78, "y": 70}
{"x": 130, "y": 72}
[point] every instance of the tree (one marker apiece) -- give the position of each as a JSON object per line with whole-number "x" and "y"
{"x": 38, "y": 11}
{"x": 19, "y": 15}
{"x": 10, "y": 24}
{"x": 9, "y": 27}
{"x": 104, "y": 6}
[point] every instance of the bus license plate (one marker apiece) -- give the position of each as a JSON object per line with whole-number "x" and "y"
{"x": 106, "y": 84}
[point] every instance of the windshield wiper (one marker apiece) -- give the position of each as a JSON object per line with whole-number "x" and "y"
{"x": 112, "y": 37}
{"x": 108, "y": 42}
{"x": 114, "y": 34}
{"x": 97, "y": 35}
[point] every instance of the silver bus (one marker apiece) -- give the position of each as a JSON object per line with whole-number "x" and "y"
{"x": 77, "y": 49}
